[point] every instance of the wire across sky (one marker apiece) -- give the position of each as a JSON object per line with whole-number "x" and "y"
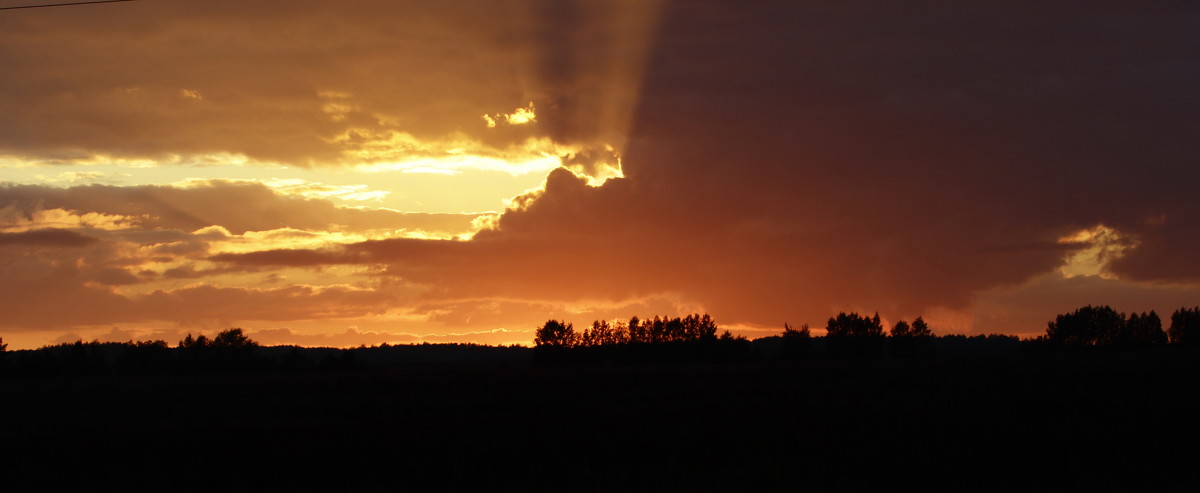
{"x": 65, "y": 4}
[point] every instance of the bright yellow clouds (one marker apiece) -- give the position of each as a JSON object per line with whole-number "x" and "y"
{"x": 1101, "y": 244}
{"x": 520, "y": 116}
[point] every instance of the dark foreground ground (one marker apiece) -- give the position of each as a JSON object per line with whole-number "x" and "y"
{"x": 1031, "y": 422}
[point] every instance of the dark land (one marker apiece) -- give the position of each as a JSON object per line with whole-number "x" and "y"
{"x": 992, "y": 418}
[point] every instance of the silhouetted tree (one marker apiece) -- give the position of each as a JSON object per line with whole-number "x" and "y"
{"x": 620, "y": 333}
{"x": 656, "y": 329}
{"x": 555, "y": 334}
{"x": 698, "y": 327}
{"x": 1185, "y": 327}
{"x": 1087, "y": 326}
{"x": 910, "y": 340}
{"x": 230, "y": 349}
{"x": 853, "y": 325}
{"x": 602, "y": 334}
{"x": 233, "y": 339}
{"x": 1143, "y": 330}
{"x": 918, "y": 329}
{"x": 851, "y": 334}
{"x": 795, "y": 342}
{"x": 637, "y": 331}
{"x": 189, "y": 343}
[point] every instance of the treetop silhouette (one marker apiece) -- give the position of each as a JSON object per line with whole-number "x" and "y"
{"x": 853, "y": 325}
{"x": 1185, "y": 327}
{"x": 1104, "y": 326}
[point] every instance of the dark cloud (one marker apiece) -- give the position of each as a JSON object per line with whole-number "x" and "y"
{"x": 46, "y": 238}
{"x": 191, "y": 272}
{"x": 288, "y": 258}
{"x": 789, "y": 159}
{"x": 1165, "y": 245}
{"x": 114, "y": 276}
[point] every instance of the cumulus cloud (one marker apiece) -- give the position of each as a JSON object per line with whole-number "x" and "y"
{"x": 789, "y": 160}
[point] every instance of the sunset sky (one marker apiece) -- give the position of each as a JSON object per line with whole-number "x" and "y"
{"x": 368, "y": 171}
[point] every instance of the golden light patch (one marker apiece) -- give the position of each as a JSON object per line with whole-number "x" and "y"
{"x": 300, "y": 187}
{"x": 1101, "y": 244}
{"x": 399, "y": 151}
{"x": 519, "y": 116}
{"x": 212, "y": 231}
{"x": 73, "y": 177}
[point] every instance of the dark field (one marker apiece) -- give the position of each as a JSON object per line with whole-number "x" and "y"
{"x": 1073, "y": 421}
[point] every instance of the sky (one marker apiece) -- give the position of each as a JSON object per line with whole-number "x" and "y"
{"x": 366, "y": 171}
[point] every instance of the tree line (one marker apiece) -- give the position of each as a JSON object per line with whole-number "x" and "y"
{"x": 854, "y": 335}
{"x": 695, "y": 337}
{"x": 692, "y": 328}
{"x": 1104, "y": 326}
{"x": 232, "y": 350}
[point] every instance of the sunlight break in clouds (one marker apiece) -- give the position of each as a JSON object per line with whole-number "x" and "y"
{"x": 1101, "y": 245}
{"x": 298, "y": 133}
{"x": 782, "y": 161}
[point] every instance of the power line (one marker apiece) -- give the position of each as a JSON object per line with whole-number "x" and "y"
{"x": 38, "y": 6}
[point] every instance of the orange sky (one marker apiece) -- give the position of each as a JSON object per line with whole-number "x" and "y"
{"x": 367, "y": 171}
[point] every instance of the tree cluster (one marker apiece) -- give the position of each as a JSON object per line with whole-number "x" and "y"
{"x": 1185, "y": 327}
{"x": 229, "y": 350}
{"x": 851, "y": 334}
{"x": 661, "y": 339}
{"x": 695, "y": 327}
{"x": 1104, "y": 326}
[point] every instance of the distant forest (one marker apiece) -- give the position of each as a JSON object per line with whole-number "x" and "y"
{"x": 691, "y": 339}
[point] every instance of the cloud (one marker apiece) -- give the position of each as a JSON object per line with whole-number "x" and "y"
{"x": 288, "y": 257}
{"x": 46, "y": 237}
{"x": 520, "y": 116}
{"x": 318, "y": 86}
{"x": 207, "y": 203}
{"x": 791, "y": 160}
{"x": 1166, "y": 243}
